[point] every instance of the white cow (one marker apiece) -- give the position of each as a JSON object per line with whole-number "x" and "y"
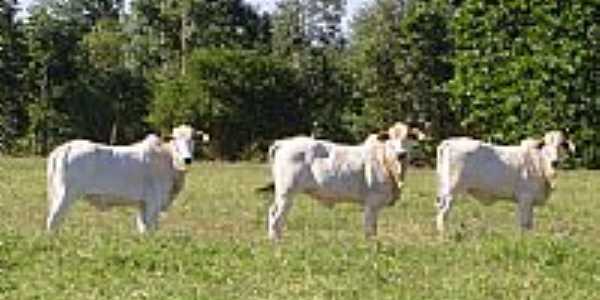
{"x": 370, "y": 174}
{"x": 148, "y": 174}
{"x": 523, "y": 174}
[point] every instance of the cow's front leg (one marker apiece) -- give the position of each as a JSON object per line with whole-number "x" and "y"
{"x": 444, "y": 204}
{"x": 525, "y": 212}
{"x": 370, "y": 220}
{"x": 147, "y": 218}
{"x": 277, "y": 213}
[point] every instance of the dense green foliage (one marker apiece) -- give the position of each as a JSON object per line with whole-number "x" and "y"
{"x": 523, "y": 67}
{"x": 224, "y": 92}
{"x": 212, "y": 244}
{"x": 497, "y": 70}
{"x": 401, "y": 53}
{"x": 12, "y": 61}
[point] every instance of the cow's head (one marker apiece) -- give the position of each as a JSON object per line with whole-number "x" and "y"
{"x": 405, "y": 136}
{"x": 395, "y": 155}
{"x": 182, "y": 144}
{"x": 555, "y": 146}
{"x": 394, "y": 148}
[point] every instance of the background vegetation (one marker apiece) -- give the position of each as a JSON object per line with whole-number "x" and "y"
{"x": 497, "y": 70}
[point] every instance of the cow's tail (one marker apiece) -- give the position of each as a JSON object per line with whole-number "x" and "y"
{"x": 56, "y": 171}
{"x": 272, "y": 150}
{"x": 50, "y": 174}
{"x": 270, "y": 187}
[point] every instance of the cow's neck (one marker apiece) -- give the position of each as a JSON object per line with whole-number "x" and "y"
{"x": 544, "y": 164}
{"x": 169, "y": 149}
{"x": 396, "y": 178}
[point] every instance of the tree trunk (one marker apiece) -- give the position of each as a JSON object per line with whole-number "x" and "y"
{"x": 183, "y": 37}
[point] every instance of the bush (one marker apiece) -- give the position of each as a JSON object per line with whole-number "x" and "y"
{"x": 525, "y": 67}
{"x": 244, "y": 99}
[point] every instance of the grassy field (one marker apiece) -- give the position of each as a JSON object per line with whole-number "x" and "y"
{"x": 212, "y": 245}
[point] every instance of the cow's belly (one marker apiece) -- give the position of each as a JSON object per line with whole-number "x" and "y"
{"x": 489, "y": 196}
{"x": 329, "y": 197}
{"x": 109, "y": 179}
{"x": 490, "y": 186}
{"x": 105, "y": 202}
{"x": 500, "y": 188}
{"x": 117, "y": 187}
{"x": 337, "y": 188}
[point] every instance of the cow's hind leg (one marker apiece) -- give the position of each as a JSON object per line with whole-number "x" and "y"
{"x": 444, "y": 204}
{"x": 59, "y": 204}
{"x": 277, "y": 212}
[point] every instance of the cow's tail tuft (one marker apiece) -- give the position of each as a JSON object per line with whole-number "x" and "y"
{"x": 268, "y": 188}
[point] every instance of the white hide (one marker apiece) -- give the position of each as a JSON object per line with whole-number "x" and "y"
{"x": 370, "y": 174}
{"x": 523, "y": 174}
{"x": 148, "y": 174}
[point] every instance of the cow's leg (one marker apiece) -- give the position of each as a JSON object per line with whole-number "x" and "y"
{"x": 60, "y": 203}
{"x": 444, "y": 204}
{"x": 370, "y": 220}
{"x": 277, "y": 212}
{"x": 147, "y": 218}
{"x": 525, "y": 213}
{"x": 140, "y": 222}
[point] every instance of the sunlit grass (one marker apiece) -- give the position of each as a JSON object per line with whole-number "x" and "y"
{"x": 212, "y": 245}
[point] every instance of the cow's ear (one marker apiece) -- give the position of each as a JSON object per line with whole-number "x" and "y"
{"x": 383, "y": 136}
{"x": 417, "y": 134}
{"x": 568, "y": 145}
{"x": 202, "y": 136}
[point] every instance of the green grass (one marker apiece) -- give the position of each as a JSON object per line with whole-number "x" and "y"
{"x": 212, "y": 245}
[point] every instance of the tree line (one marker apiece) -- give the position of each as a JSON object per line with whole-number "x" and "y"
{"x": 496, "y": 70}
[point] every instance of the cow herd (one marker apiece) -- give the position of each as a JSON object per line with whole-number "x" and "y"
{"x": 149, "y": 174}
